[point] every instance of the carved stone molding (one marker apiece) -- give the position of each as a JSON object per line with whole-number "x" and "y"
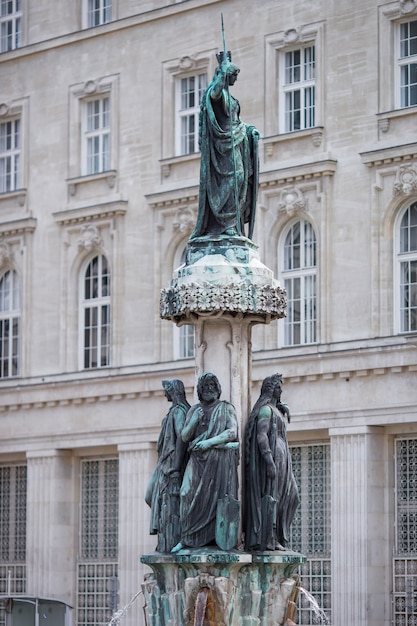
{"x": 291, "y": 200}
{"x": 5, "y": 253}
{"x": 405, "y": 180}
{"x": 89, "y": 238}
{"x": 383, "y": 124}
{"x": 179, "y": 301}
{"x": 408, "y": 6}
{"x": 184, "y": 220}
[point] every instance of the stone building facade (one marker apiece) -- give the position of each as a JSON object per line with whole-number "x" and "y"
{"x": 99, "y": 171}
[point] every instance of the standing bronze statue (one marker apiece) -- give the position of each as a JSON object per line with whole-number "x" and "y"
{"x": 271, "y": 490}
{"x": 229, "y": 159}
{"x": 162, "y": 494}
{"x": 209, "y": 509}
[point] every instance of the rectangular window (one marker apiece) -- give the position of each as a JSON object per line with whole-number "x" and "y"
{"x": 408, "y": 64}
{"x": 13, "y": 494}
{"x": 97, "y": 336}
{"x": 311, "y": 527}
{"x": 13, "y": 484}
{"x": 186, "y": 341}
{"x": 408, "y": 296}
{"x": 405, "y": 557}
{"x": 299, "y": 278}
{"x": 97, "y": 565}
{"x": 9, "y": 324}
{"x": 98, "y": 12}
{"x": 190, "y": 90}
{"x": 9, "y": 347}
{"x": 10, "y": 25}
{"x": 299, "y": 89}
{"x": 97, "y": 136}
{"x": 10, "y": 143}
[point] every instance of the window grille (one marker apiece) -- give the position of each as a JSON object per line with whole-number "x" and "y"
{"x": 97, "y": 135}
{"x": 96, "y": 313}
{"x": 9, "y": 324}
{"x": 13, "y": 488}
{"x": 97, "y": 565}
{"x": 299, "y": 89}
{"x": 407, "y": 259}
{"x": 190, "y": 90}
{"x": 408, "y": 63}
{"x": 9, "y": 155}
{"x": 10, "y": 24}
{"x": 311, "y": 528}
{"x": 299, "y": 277}
{"x": 405, "y": 557}
{"x": 98, "y": 12}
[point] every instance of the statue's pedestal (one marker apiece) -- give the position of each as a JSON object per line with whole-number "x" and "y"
{"x": 208, "y": 586}
{"x": 223, "y": 289}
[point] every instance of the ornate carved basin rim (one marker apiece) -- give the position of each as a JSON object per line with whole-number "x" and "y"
{"x": 207, "y": 555}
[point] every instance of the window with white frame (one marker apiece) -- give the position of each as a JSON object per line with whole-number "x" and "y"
{"x": 98, "y": 12}
{"x": 298, "y": 88}
{"x": 186, "y": 341}
{"x": 95, "y": 311}
{"x": 189, "y": 91}
{"x": 311, "y": 527}
{"x": 184, "y": 336}
{"x": 98, "y": 550}
{"x": 407, "y": 63}
{"x": 299, "y": 280}
{"x": 10, "y": 24}
{"x": 405, "y": 549}
{"x": 10, "y": 148}
{"x": 407, "y": 269}
{"x": 97, "y": 135}
{"x": 9, "y": 324}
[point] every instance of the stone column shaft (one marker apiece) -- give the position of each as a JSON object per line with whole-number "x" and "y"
{"x": 51, "y": 511}
{"x": 136, "y": 463}
{"x": 360, "y": 528}
{"x": 223, "y": 346}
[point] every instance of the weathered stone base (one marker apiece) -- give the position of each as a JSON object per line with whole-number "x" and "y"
{"x": 208, "y": 586}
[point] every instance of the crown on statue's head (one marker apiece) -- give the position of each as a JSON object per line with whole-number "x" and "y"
{"x": 220, "y": 56}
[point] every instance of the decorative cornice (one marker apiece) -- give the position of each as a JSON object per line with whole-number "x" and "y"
{"x": 297, "y": 174}
{"x": 173, "y": 198}
{"x": 95, "y": 212}
{"x": 18, "y": 227}
{"x": 389, "y": 155}
{"x": 83, "y": 398}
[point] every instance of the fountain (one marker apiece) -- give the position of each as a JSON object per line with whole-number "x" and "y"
{"x": 223, "y": 486}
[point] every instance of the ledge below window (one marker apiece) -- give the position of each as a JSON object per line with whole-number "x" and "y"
{"x": 384, "y": 119}
{"x": 315, "y": 135}
{"x": 93, "y": 183}
{"x": 181, "y": 166}
{"x": 13, "y": 200}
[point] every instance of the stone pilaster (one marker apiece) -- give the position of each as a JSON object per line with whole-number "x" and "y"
{"x": 136, "y": 462}
{"x": 360, "y": 528}
{"x": 51, "y": 517}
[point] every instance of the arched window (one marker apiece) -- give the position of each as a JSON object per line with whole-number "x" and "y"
{"x": 95, "y": 309}
{"x": 299, "y": 280}
{"x": 9, "y": 324}
{"x": 407, "y": 270}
